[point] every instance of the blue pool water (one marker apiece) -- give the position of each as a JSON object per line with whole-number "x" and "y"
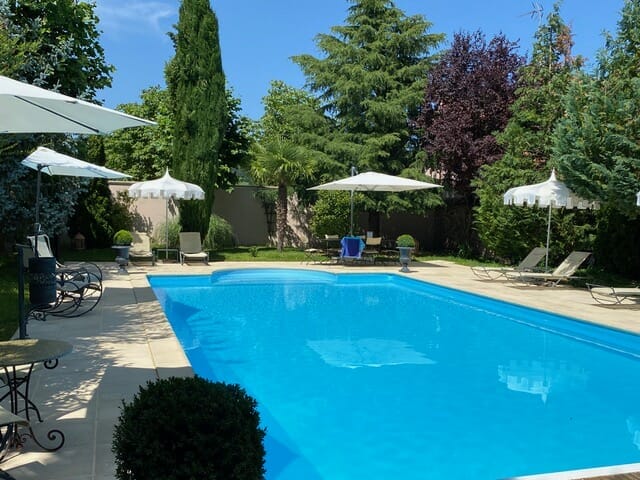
{"x": 362, "y": 376}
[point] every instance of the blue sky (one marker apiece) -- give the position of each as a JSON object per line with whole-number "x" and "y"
{"x": 258, "y": 37}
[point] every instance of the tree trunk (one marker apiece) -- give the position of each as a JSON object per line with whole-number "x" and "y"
{"x": 281, "y": 216}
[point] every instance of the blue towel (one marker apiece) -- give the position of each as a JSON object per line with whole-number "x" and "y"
{"x": 352, "y": 247}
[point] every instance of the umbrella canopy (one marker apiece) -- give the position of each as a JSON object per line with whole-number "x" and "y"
{"x": 374, "y": 182}
{"x": 549, "y": 194}
{"x": 166, "y": 187}
{"x": 29, "y": 109}
{"x": 54, "y": 163}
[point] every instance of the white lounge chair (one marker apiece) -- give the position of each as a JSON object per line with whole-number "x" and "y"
{"x": 563, "y": 272}
{"x": 140, "y": 250}
{"x": 528, "y": 264}
{"x": 191, "y": 248}
{"x": 613, "y": 295}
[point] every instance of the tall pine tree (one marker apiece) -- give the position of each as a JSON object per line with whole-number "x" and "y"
{"x": 370, "y": 82}
{"x": 510, "y": 232}
{"x": 196, "y": 85}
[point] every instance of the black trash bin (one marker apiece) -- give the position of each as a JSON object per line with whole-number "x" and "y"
{"x": 42, "y": 280}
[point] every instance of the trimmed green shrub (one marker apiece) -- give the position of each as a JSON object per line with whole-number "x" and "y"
{"x": 122, "y": 237}
{"x": 189, "y": 428}
{"x": 160, "y": 234}
{"x": 405, "y": 240}
{"x": 219, "y": 234}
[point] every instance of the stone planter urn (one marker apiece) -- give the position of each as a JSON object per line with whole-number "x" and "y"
{"x": 405, "y": 244}
{"x": 405, "y": 258}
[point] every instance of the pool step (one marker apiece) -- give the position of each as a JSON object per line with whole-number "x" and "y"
{"x": 617, "y": 472}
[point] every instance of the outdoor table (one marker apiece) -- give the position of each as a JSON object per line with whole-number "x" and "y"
{"x": 17, "y": 358}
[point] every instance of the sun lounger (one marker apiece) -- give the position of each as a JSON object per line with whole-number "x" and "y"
{"x": 528, "y": 264}
{"x": 563, "y": 272}
{"x": 191, "y": 248}
{"x": 613, "y": 295}
{"x": 140, "y": 250}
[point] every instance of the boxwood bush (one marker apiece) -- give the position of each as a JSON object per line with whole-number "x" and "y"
{"x": 189, "y": 428}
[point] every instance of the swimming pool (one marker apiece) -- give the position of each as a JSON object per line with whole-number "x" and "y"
{"x": 384, "y": 377}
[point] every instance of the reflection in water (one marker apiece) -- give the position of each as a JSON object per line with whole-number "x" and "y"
{"x": 633, "y": 425}
{"x": 367, "y": 352}
{"x": 540, "y": 377}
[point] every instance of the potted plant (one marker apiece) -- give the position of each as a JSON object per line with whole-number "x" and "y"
{"x": 122, "y": 240}
{"x": 405, "y": 244}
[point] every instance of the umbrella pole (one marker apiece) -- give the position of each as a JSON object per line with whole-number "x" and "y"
{"x": 166, "y": 228}
{"x": 351, "y": 231}
{"x": 37, "y": 225}
{"x": 546, "y": 259}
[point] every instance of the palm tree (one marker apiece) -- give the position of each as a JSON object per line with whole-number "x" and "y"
{"x": 283, "y": 163}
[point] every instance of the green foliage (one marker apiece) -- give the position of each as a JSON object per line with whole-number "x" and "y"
{"x": 370, "y": 80}
{"x": 405, "y": 240}
{"x": 160, "y": 233}
{"x": 507, "y": 232}
{"x": 64, "y": 49}
{"x": 122, "y": 237}
{"x": 53, "y": 45}
{"x": 219, "y": 234}
{"x": 253, "y": 250}
{"x": 616, "y": 246}
{"x": 236, "y": 144}
{"x": 331, "y": 213}
{"x": 196, "y": 85}
{"x": 187, "y": 428}
{"x": 280, "y": 162}
{"x": 143, "y": 152}
{"x": 99, "y": 215}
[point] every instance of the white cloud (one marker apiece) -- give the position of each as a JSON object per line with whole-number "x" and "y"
{"x": 138, "y": 16}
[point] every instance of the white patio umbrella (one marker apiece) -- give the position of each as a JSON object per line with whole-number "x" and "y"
{"x": 166, "y": 187}
{"x": 54, "y": 163}
{"x": 374, "y": 182}
{"x": 638, "y": 199}
{"x": 549, "y": 194}
{"x": 29, "y": 109}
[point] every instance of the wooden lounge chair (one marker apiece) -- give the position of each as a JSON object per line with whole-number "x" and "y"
{"x": 613, "y": 295}
{"x": 140, "y": 250}
{"x": 528, "y": 264}
{"x": 191, "y": 248}
{"x": 563, "y": 272}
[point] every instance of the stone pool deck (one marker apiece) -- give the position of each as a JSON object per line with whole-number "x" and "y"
{"x": 127, "y": 341}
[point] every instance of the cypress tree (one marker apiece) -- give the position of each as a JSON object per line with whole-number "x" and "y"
{"x": 196, "y": 85}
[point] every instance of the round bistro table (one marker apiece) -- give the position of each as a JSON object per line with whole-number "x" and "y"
{"x": 17, "y": 358}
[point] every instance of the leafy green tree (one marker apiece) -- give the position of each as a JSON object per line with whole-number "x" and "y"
{"x": 510, "y": 232}
{"x": 67, "y": 56}
{"x": 234, "y": 152}
{"x": 282, "y": 163}
{"x": 597, "y": 144}
{"x": 196, "y": 85}
{"x": 332, "y": 213}
{"x": 294, "y": 115}
{"x": 370, "y": 81}
{"x": 54, "y": 45}
{"x": 145, "y": 152}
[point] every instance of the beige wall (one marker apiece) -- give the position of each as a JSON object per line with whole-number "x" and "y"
{"x": 240, "y": 208}
{"x": 249, "y": 221}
